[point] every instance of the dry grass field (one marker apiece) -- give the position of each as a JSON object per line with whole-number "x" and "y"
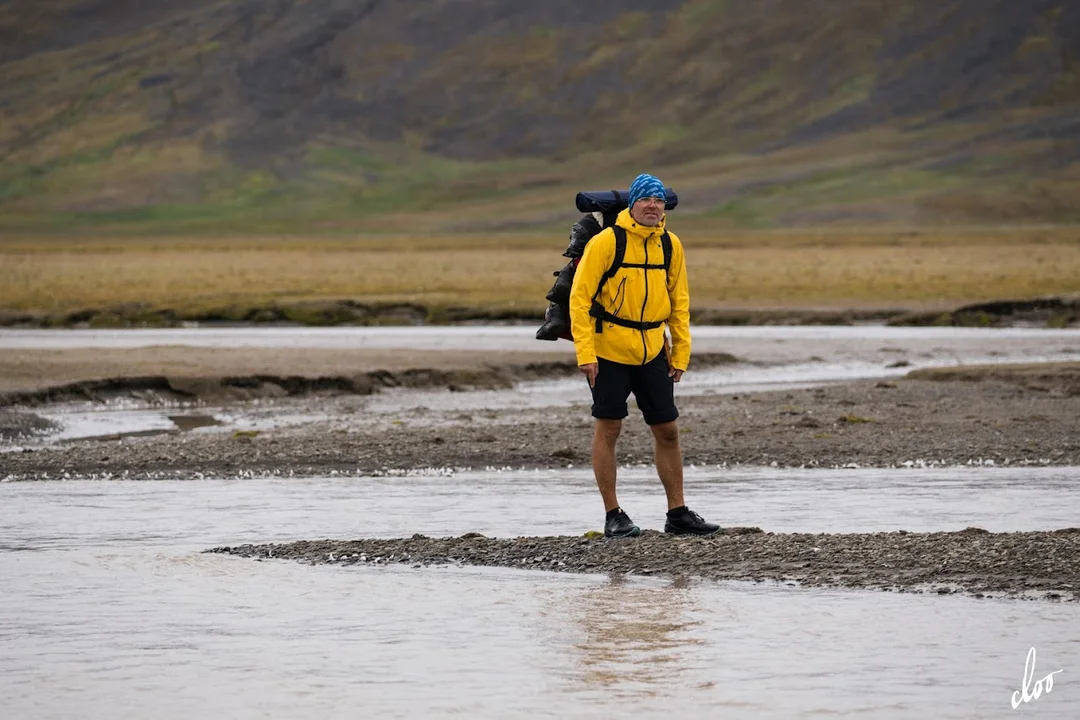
{"x": 739, "y": 269}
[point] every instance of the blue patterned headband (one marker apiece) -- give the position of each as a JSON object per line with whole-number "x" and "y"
{"x": 646, "y": 185}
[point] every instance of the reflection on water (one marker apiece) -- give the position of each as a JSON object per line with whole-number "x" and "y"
{"x": 110, "y": 610}
{"x": 644, "y": 627}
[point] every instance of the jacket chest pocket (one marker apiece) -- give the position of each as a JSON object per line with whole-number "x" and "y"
{"x": 616, "y": 288}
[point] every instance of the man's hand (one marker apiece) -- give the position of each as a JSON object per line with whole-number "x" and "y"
{"x": 675, "y": 375}
{"x": 590, "y": 370}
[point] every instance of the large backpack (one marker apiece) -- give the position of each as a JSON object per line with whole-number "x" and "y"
{"x": 601, "y": 208}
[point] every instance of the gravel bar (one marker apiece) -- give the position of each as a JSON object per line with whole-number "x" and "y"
{"x": 1041, "y": 565}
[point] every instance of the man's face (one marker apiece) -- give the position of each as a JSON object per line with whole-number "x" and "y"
{"x": 648, "y": 211}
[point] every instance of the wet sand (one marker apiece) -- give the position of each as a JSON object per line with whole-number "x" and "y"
{"x": 1031, "y": 565}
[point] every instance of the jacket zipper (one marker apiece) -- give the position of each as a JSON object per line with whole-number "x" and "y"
{"x": 645, "y": 272}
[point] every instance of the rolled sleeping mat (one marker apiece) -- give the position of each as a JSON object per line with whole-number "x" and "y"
{"x": 615, "y": 201}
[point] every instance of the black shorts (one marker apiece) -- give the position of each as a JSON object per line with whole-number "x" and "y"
{"x": 653, "y": 389}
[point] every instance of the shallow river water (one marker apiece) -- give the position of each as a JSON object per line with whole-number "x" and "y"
{"x": 111, "y": 610}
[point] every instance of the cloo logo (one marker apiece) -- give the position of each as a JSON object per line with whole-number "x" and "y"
{"x": 1027, "y": 691}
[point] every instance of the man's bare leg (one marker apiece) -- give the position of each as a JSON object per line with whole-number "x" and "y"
{"x": 669, "y": 465}
{"x": 605, "y": 434}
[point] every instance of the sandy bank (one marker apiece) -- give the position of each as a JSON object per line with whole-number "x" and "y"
{"x": 31, "y": 377}
{"x": 30, "y": 370}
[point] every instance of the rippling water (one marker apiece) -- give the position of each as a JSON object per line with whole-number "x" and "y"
{"x": 110, "y": 610}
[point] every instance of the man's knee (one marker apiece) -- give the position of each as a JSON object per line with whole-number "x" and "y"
{"x": 666, "y": 433}
{"x": 607, "y": 431}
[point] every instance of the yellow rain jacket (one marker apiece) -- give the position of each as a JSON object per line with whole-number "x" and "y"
{"x": 636, "y": 294}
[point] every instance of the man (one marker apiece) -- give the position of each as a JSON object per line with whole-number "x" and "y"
{"x": 618, "y": 324}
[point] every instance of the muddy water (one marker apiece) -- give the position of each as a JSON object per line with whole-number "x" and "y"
{"x": 110, "y": 610}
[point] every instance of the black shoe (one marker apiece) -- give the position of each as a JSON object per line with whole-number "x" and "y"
{"x": 684, "y": 521}
{"x": 619, "y": 524}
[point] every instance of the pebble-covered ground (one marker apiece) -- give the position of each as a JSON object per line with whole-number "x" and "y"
{"x": 1031, "y": 565}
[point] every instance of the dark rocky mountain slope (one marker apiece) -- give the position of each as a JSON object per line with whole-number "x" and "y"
{"x": 274, "y": 113}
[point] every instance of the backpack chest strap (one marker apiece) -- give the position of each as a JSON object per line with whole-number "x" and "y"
{"x": 646, "y": 266}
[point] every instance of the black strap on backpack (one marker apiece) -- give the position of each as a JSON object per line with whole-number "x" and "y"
{"x": 598, "y": 311}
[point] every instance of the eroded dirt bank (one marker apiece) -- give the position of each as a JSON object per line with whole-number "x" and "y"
{"x": 18, "y": 425}
{"x": 38, "y": 376}
{"x": 227, "y": 375}
{"x": 1042, "y": 565}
